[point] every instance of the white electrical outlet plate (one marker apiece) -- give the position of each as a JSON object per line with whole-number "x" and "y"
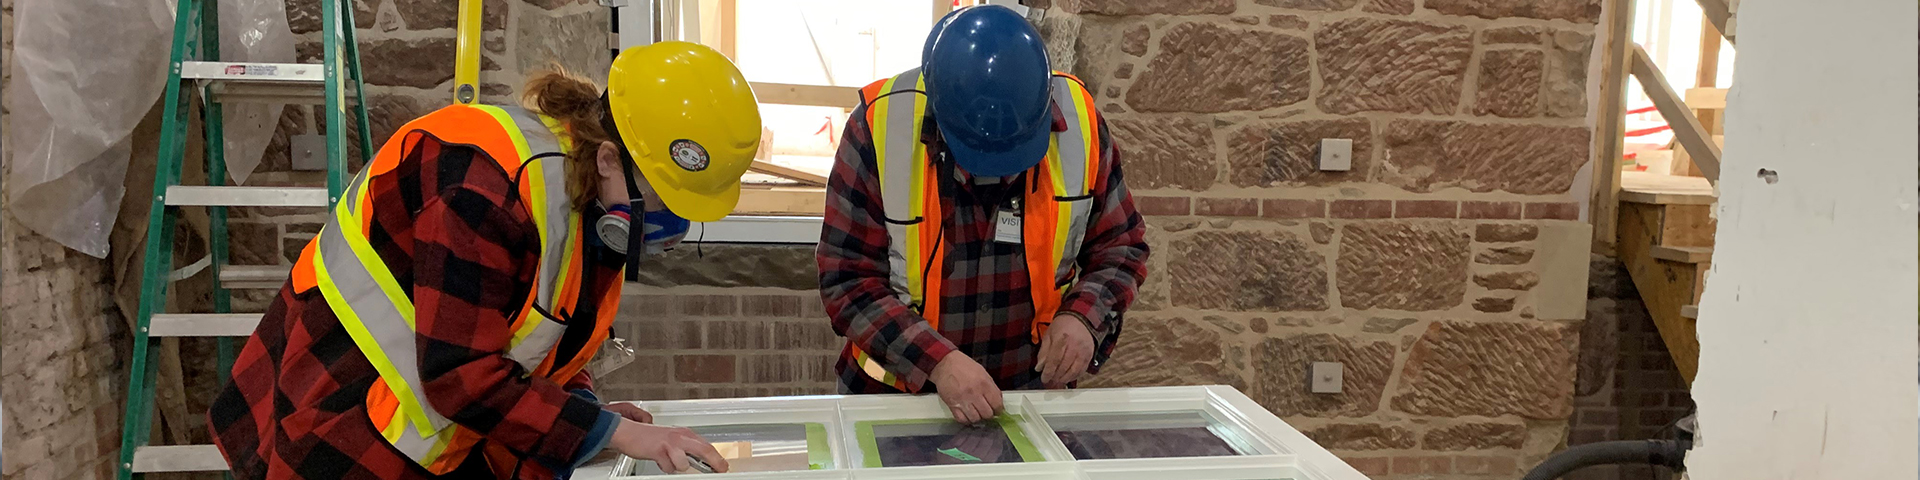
{"x": 1336, "y": 154}
{"x": 308, "y": 153}
{"x": 1325, "y": 377}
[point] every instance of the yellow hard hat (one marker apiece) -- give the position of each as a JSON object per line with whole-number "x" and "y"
{"x": 690, "y": 121}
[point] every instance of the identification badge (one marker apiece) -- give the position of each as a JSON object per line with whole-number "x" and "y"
{"x": 1006, "y": 227}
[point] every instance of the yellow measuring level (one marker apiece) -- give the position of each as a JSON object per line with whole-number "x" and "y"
{"x": 466, "y": 61}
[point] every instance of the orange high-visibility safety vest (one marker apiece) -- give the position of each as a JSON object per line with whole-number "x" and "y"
{"x": 1056, "y": 204}
{"x": 376, "y": 311}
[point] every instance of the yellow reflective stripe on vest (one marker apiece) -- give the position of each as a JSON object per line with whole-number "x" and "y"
{"x": 374, "y": 308}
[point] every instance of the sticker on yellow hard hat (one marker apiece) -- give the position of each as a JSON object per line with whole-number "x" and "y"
{"x": 689, "y": 155}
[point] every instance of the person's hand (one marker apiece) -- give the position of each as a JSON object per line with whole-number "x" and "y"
{"x": 966, "y": 388}
{"x": 665, "y": 446}
{"x": 1064, "y": 351}
{"x": 630, "y": 412}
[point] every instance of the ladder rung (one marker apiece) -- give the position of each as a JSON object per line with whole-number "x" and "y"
{"x": 203, "y": 324}
{"x": 179, "y": 195}
{"x": 178, "y": 458}
{"x": 254, "y": 72}
{"x": 254, "y": 276}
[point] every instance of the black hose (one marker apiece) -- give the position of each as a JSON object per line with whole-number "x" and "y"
{"x": 1667, "y": 453}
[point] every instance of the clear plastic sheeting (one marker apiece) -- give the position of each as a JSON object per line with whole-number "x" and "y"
{"x": 85, "y": 73}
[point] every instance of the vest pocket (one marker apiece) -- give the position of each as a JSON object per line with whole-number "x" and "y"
{"x": 533, "y": 348}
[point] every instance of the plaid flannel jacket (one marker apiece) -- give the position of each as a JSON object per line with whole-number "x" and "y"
{"x": 986, "y": 309}
{"x": 447, "y": 226}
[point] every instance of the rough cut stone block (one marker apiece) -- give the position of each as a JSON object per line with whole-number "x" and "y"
{"x": 1203, "y": 67}
{"x": 303, "y": 16}
{"x": 1426, "y": 155}
{"x": 1489, "y": 369}
{"x": 1509, "y": 83}
{"x": 1475, "y": 436}
{"x": 1391, "y": 66}
{"x": 1566, "y": 91}
{"x": 1282, "y": 383}
{"x": 1248, "y": 271}
{"x": 1493, "y": 305}
{"x": 253, "y": 243}
{"x": 1166, "y": 152}
{"x": 1576, "y": 11}
{"x": 1319, "y": 5}
{"x": 1402, "y": 266}
{"x": 1390, "y": 7}
{"x": 781, "y": 266}
{"x": 1266, "y": 154}
{"x": 1505, "y": 256}
{"x": 1144, "y": 7}
{"x": 1168, "y": 351}
{"x": 387, "y": 113}
{"x": 577, "y": 42}
{"x": 1135, "y": 40}
{"x": 405, "y": 63}
{"x": 1361, "y": 436}
{"x": 431, "y": 14}
{"x": 1523, "y": 35}
{"x": 1507, "y": 280}
{"x": 1289, "y": 22}
{"x": 1504, "y": 233}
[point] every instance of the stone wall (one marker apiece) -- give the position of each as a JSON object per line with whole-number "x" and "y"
{"x": 62, "y": 345}
{"x": 1423, "y": 269}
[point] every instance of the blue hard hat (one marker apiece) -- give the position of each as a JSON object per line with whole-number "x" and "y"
{"x": 988, "y": 88}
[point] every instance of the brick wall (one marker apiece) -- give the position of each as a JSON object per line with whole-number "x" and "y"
{"x": 1628, "y": 387}
{"x": 62, "y": 343}
{"x": 705, "y": 342}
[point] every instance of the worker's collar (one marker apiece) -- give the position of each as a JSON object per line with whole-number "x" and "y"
{"x": 930, "y": 135}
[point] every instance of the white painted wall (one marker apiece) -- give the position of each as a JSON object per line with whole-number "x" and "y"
{"x": 1808, "y": 327}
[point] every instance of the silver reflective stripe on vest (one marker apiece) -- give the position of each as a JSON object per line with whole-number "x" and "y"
{"x": 896, "y": 162}
{"x": 1073, "y": 167}
{"x": 551, "y": 171}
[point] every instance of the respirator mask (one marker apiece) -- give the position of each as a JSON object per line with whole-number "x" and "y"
{"x": 660, "y": 230}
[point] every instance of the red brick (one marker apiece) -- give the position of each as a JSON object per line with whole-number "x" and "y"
{"x": 1477, "y": 209}
{"x": 770, "y": 306}
{"x": 1426, "y": 209}
{"x": 772, "y": 368}
{"x": 1372, "y": 467}
{"x": 1486, "y": 466}
{"x": 1227, "y": 207}
{"x": 1422, "y": 465}
{"x": 1583, "y": 436}
{"x": 1553, "y": 211}
{"x": 1680, "y": 399}
{"x": 666, "y": 335}
{"x": 1290, "y": 208}
{"x": 1361, "y": 209}
{"x": 739, "y": 335}
{"x": 703, "y": 368}
{"x": 1163, "y": 205}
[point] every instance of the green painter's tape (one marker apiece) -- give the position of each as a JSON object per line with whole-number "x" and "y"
{"x": 819, "y": 457}
{"x": 1010, "y": 424}
{"x": 959, "y": 455}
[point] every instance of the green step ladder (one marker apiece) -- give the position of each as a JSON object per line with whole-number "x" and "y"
{"x": 195, "y": 66}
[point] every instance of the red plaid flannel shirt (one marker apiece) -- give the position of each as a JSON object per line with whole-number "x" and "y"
{"x": 986, "y": 309}
{"x": 447, "y": 227}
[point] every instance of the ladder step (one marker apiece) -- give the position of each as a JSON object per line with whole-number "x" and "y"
{"x": 258, "y": 277}
{"x": 254, "y": 72}
{"x": 178, "y": 458}
{"x": 203, "y": 324}
{"x": 183, "y": 195}
{"x": 1690, "y": 311}
{"x": 1684, "y": 254}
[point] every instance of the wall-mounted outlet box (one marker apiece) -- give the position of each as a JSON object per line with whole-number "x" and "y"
{"x": 1325, "y": 377}
{"x": 308, "y": 153}
{"x": 1336, "y": 154}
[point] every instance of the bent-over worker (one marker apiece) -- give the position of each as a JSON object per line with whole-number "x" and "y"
{"x": 442, "y": 323}
{"x": 978, "y": 233}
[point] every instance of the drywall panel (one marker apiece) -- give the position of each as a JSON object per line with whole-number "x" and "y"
{"x": 1808, "y": 327}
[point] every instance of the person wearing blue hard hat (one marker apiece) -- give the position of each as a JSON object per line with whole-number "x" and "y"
{"x": 978, "y": 234}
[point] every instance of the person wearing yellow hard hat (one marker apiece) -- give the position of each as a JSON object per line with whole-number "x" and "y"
{"x": 447, "y": 321}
